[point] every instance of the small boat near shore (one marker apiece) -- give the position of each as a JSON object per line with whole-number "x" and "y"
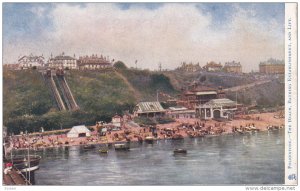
{"x": 149, "y": 139}
{"x": 252, "y": 128}
{"x": 89, "y": 147}
{"x": 103, "y": 151}
{"x": 180, "y": 151}
{"x": 177, "y": 137}
{"x": 239, "y": 131}
{"x": 122, "y": 147}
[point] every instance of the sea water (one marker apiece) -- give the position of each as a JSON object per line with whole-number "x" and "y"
{"x": 251, "y": 158}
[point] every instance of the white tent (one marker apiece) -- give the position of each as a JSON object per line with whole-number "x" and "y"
{"x": 79, "y": 131}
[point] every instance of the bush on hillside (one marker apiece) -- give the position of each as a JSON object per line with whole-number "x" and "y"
{"x": 120, "y": 65}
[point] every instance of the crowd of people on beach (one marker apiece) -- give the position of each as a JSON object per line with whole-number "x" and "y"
{"x": 179, "y": 129}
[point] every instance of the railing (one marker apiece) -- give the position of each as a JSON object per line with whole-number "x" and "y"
{"x": 69, "y": 94}
{"x": 64, "y": 93}
{"x": 16, "y": 178}
{"x": 66, "y": 101}
{"x": 51, "y": 84}
{"x": 57, "y": 95}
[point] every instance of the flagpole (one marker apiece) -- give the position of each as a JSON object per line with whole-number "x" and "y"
{"x": 236, "y": 100}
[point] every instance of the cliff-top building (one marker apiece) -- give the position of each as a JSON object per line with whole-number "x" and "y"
{"x": 213, "y": 67}
{"x": 189, "y": 67}
{"x": 93, "y": 62}
{"x": 11, "y": 66}
{"x": 272, "y": 66}
{"x": 233, "y": 67}
{"x": 63, "y": 61}
{"x": 30, "y": 61}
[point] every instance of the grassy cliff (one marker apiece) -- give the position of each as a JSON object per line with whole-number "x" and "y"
{"x": 28, "y": 103}
{"x": 24, "y": 93}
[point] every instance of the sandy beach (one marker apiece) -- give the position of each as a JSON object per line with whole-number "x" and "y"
{"x": 182, "y": 127}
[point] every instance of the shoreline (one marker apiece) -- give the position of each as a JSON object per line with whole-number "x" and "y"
{"x": 136, "y": 141}
{"x": 180, "y": 129}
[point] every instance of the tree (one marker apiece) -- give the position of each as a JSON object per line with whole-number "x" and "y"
{"x": 120, "y": 65}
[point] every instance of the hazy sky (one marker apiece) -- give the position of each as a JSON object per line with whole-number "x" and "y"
{"x": 152, "y": 33}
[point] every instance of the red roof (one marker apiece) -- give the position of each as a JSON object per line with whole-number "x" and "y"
{"x": 213, "y": 64}
{"x": 189, "y": 93}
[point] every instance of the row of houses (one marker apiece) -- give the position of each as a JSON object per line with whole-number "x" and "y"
{"x": 95, "y": 62}
{"x": 232, "y": 67}
{"x": 92, "y": 62}
{"x": 272, "y": 66}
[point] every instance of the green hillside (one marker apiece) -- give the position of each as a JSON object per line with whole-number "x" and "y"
{"x": 24, "y": 93}
{"x": 266, "y": 95}
{"x": 148, "y": 83}
{"x": 103, "y": 94}
{"x": 28, "y": 103}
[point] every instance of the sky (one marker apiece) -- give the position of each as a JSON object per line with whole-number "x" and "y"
{"x": 151, "y": 33}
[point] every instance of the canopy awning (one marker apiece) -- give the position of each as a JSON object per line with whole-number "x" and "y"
{"x": 206, "y": 93}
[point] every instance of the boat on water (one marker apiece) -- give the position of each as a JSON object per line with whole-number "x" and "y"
{"x": 103, "y": 151}
{"x": 122, "y": 147}
{"x": 26, "y": 163}
{"x": 149, "y": 139}
{"x": 177, "y": 137}
{"x": 89, "y": 147}
{"x": 180, "y": 151}
{"x": 239, "y": 131}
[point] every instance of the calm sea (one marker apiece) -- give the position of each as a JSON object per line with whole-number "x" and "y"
{"x": 256, "y": 158}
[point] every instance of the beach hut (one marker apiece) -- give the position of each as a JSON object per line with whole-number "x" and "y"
{"x": 117, "y": 120}
{"x": 79, "y": 131}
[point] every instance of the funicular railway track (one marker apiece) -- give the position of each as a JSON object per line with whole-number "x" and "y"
{"x": 60, "y": 90}
{"x": 63, "y": 93}
{"x": 50, "y": 83}
{"x": 67, "y": 92}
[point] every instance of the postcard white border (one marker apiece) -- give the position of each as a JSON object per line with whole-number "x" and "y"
{"x": 291, "y": 101}
{"x": 290, "y": 10}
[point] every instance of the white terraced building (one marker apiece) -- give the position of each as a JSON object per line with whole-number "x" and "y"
{"x": 30, "y": 61}
{"x": 63, "y": 61}
{"x": 217, "y": 108}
